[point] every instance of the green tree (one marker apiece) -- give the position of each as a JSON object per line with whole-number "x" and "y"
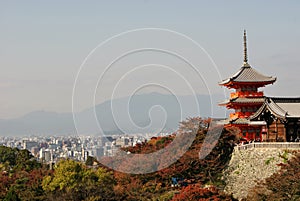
{"x": 15, "y": 159}
{"x": 8, "y": 155}
{"x": 12, "y": 196}
{"x": 26, "y": 161}
{"x": 20, "y": 175}
{"x": 72, "y": 180}
{"x": 90, "y": 161}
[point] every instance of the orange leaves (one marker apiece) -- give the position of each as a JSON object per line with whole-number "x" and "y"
{"x": 196, "y": 192}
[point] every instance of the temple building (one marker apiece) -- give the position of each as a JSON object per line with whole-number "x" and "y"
{"x": 258, "y": 117}
{"x": 281, "y": 117}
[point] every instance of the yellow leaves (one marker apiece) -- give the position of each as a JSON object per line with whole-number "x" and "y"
{"x": 46, "y": 184}
{"x": 73, "y": 178}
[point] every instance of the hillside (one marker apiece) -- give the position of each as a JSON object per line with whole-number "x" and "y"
{"x": 193, "y": 173}
{"x": 196, "y": 178}
{"x": 188, "y": 178}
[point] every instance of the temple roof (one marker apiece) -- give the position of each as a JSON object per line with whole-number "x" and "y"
{"x": 236, "y": 121}
{"x": 280, "y": 107}
{"x": 240, "y": 121}
{"x": 247, "y": 75}
{"x": 243, "y": 100}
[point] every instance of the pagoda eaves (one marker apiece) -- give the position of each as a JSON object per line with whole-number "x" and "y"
{"x": 241, "y": 101}
{"x": 247, "y": 75}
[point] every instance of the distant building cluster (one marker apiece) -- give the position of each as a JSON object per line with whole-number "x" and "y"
{"x": 52, "y": 149}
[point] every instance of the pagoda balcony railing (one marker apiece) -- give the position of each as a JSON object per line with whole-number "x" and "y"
{"x": 246, "y": 94}
{"x": 240, "y": 115}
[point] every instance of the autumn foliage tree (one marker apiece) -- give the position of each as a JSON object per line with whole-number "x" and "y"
{"x": 208, "y": 169}
{"x": 20, "y": 175}
{"x": 23, "y": 178}
{"x": 188, "y": 167}
{"x": 195, "y": 192}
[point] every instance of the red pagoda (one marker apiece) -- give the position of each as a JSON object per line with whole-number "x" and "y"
{"x": 246, "y": 99}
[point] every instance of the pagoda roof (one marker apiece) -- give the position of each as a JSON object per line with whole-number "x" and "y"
{"x": 247, "y": 74}
{"x": 280, "y": 107}
{"x": 243, "y": 100}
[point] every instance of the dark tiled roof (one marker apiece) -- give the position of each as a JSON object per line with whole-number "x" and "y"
{"x": 280, "y": 107}
{"x": 243, "y": 100}
{"x": 248, "y": 74}
{"x": 236, "y": 121}
{"x": 240, "y": 121}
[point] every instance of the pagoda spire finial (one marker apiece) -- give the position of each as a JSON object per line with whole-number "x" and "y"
{"x": 245, "y": 50}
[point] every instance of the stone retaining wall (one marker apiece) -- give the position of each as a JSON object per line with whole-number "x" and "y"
{"x": 249, "y": 166}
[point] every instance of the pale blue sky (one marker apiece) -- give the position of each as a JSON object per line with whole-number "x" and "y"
{"x": 44, "y": 43}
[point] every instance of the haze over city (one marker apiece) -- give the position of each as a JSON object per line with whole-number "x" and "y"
{"x": 43, "y": 45}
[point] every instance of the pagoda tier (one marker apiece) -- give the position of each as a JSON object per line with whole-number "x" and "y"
{"x": 242, "y": 102}
{"x": 247, "y": 79}
{"x": 246, "y": 99}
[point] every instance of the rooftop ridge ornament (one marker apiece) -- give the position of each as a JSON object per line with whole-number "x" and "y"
{"x": 245, "y": 51}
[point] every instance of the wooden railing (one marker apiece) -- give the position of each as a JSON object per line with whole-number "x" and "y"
{"x": 269, "y": 145}
{"x": 246, "y": 94}
{"x": 240, "y": 115}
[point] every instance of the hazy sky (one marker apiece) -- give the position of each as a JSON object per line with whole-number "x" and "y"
{"x": 43, "y": 44}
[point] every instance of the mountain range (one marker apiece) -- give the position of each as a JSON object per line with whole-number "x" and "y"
{"x": 143, "y": 113}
